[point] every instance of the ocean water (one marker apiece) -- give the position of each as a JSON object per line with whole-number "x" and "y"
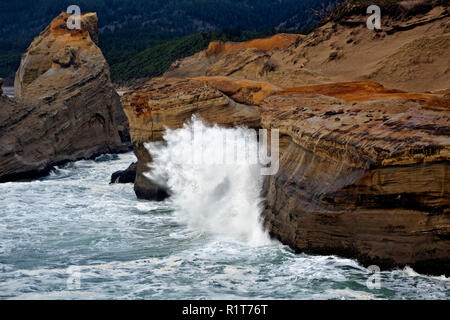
{"x": 72, "y": 235}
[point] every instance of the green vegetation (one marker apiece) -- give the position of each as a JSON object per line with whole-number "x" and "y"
{"x": 9, "y": 62}
{"x": 129, "y": 29}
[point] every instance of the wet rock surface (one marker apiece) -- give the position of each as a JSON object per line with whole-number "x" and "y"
{"x": 125, "y": 176}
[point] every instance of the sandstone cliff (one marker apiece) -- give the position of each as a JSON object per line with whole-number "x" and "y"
{"x": 243, "y": 60}
{"x": 365, "y": 174}
{"x": 66, "y": 107}
{"x": 170, "y": 103}
{"x": 337, "y": 52}
{"x": 364, "y": 168}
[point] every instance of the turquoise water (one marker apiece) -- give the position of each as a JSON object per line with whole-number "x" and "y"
{"x": 73, "y": 236}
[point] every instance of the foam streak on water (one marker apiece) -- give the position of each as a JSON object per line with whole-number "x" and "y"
{"x": 129, "y": 249}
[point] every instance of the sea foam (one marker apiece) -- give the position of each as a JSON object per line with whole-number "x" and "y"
{"x": 221, "y": 198}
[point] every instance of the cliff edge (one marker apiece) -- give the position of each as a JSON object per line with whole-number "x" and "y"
{"x": 364, "y": 164}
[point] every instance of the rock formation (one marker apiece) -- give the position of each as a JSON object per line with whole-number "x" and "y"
{"x": 125, "y": 176}
{"x": 277, "y": 41}
{"x": 365, "y": 175}
{"x": 245, "y": 59}
{"x": 170, "y": 103}
{"x": 66, "y": 107}
{"x": 364, "y": 168}
{"x": 339, "y": 52}
{"x": 363, "y": 172}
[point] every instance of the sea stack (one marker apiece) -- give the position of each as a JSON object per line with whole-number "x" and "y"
{"x": 66, "y": 107}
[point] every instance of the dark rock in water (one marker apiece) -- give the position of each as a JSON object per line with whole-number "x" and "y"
{"x": 143, "y": 186}
{"x": 66, "y": 107}
{"x": 152, "y": 192}
{"x": 1, "y": 84}
{"x": 125, "y": 176}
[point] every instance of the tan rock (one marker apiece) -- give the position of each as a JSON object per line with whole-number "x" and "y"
{"x": 243, "y": 91}
{"x": 170, "y": 103}
{"x": 238, "y": 59}
{"x": 277, "y": 41}
{"x": 376, "y": 126}
{"x": 364, "y": 175}
{"x": 409, "y": 55}
{"x": 364, "y": 169}
{"x": 66, "y": 107}
{"x": 65, "y": 57}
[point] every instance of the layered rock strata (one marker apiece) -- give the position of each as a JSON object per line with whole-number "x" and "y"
{"x": 162, "y": 103}
{"x": 339, "y": 51}
{"x": 365, "y": 175}
{"x": 363, "y": 169}
{"x": 66, "y": 107}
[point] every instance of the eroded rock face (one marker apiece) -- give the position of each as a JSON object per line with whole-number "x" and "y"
{"x": 339, "y": 52}
{"x": 363, "y": 170}
{"x": 277, "y": 41}
{"x": 171, "y": 102}
{"x": 245, "y": 60}
{"x": 364, "y": 176}
{"x": 66, "y": 107}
